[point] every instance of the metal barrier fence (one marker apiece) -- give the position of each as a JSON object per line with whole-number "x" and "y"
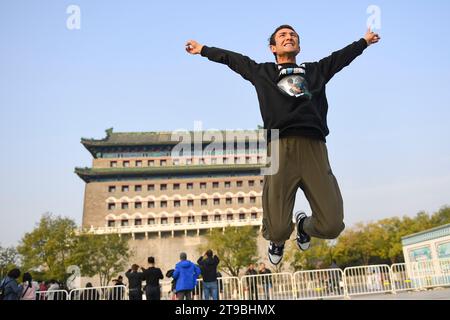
{"x": 228, "y": 288}
{"x": 100, "y": 293}
{"x": 312, "y": 284}
{"x": 166, "y": 290}
{"x": 52, "y": 295}
{"x": 276, "y": 286}
{"x": 197, "y": 293}
{"x": 422, "y": 274}
{"x": 367, "y": 280}
{"x": 444, "y": 268}
{"x": 401, "y": 279}
{"x": 430, "y": 273}
{"x": 319, "y": 284}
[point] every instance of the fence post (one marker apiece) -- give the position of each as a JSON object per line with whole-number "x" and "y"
{"x": 344, "y": 279}
{"x": 392, "y": 278}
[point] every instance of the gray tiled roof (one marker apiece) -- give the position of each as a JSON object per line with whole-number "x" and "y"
{"x": 149, "y": 138}
{"x": 87, "y": 173}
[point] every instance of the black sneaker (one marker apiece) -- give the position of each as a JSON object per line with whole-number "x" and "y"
{"x": 303, "y": 239}
{"x": 275, "y": 253}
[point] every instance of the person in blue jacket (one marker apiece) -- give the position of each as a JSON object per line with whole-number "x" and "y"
{"x": 10, "y": 288}
{"x": 185, "y": 275}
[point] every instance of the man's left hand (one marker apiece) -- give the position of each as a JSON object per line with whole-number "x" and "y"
{"x": 371, "y": 37}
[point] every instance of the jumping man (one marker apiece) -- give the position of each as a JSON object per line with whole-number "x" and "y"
{"x": 292, "y": 99}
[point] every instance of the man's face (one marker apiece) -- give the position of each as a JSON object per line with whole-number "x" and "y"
{"x": 286, "y": 42}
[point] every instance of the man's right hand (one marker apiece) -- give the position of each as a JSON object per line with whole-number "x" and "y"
{"x": 193, "y": 47}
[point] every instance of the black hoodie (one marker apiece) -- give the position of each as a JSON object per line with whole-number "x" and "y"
{"x": 304, "y": 115}
{"x": 208, "y": 267}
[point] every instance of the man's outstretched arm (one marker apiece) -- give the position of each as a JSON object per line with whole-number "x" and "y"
{"x": 338, "y": 60}
{"x": 237, "y": 62}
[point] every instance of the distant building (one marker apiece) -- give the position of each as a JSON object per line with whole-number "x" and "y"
{"x": 166, "y": 204}
{"x": 430, "y": 244}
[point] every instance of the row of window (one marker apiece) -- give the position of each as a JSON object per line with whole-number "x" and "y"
{"x": 177, "y": 203}
{"x": 182, "y": 153}
{"x": 189, "y": 161}
{"x": 177, "y": 220}
{"x": 185, "y": 150}
{"x": 177, "y": 186}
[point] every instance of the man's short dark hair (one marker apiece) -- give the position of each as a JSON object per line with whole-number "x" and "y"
{"x": 272, "y": 37}
{"x": 151, "y": 260}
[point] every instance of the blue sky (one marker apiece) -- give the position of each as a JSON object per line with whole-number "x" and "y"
{"x": 389, "y": 143}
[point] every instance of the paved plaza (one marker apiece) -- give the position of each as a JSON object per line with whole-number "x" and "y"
{"x": 436, "y": 294}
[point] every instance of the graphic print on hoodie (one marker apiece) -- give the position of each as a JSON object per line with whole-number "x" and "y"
{"x": 291, "y": 81}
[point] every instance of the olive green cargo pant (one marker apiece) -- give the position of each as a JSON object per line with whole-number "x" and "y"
{"x": 303, "y": 163}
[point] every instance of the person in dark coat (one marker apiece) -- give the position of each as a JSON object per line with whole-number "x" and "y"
{"x": 152, "y": 275}
{"x": 116, "y": 293}
{"x": 90, "y": 293}
{"x": 252, "y": 283}
{"x": 266, "y": 280}
{"x": 173, "y": 284}
{"x": 135, "y": 279}
{"x": 208, "y": 265}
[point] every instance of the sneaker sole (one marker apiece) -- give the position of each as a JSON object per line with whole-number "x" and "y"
{"x": 274, "y": 263}
{"x": 270, "y": 258}
{"x": 301, "y": 246}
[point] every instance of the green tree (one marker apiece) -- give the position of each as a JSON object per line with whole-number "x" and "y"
{"x": 421, "y": 222}
{"x": 9, "y": 259}
{"x": 387, "y": 237}
{"x": 236, "y": 247}
{"x": 354, "y": 246}
{"x": 49, "y": 246}
{"x": 441, "y": 217}
{"x": 316, "y": 257}
{"x": 101, "y": 255}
